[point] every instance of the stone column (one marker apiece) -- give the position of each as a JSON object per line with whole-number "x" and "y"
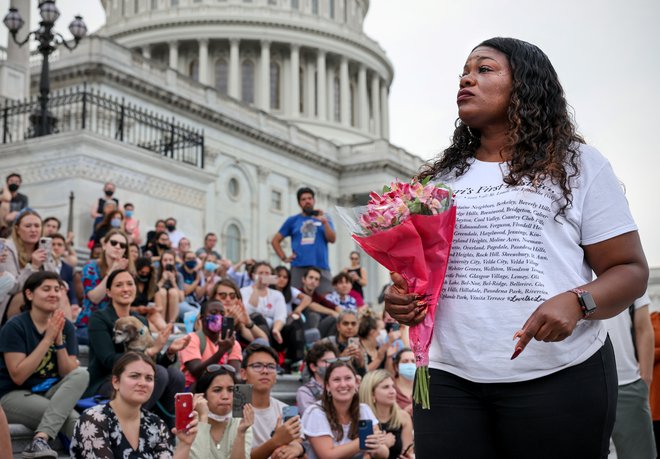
{"x": 310, "y": 95}
{"x": 375, "y": 102}
{"x": 19, "y": 56}
{"x": 294, "y": 109}
{"x": 331, "y": 93}
{"x": 344, "y": 92}
{"x": 385, "y": 110}
{"x": 363, "y": 100}
{"x": 174, "y": 55}
{"x": 321, "y": 96}
{"x": 146, "y": 51}
{"x": 234, "y": 69}
{"x": 264, "y": 77}
{"x": 204, "y": 61}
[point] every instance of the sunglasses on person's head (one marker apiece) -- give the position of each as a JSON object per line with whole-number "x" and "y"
{"x": 223, "y": 295}
{"x": 219, "y": 366}
{"x": 337, "y": 359}
{"x": 116, "y": 243}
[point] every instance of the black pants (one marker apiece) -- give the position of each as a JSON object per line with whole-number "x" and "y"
{"x": 293, "y": 337}
{"x": 568, "y": 414}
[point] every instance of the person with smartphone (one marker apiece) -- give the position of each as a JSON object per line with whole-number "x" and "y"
{"x": 23, "y": 257}
{"x": 332, "y": 426}
{"x": 310, "y": 231}
{"x": 170, "y": 295}
{"x": 213, "y": 344}
{"x": 221, "y": 435}
{"x": 267, "y": 308}
{"x": 377, "y": 390}
{"x": 273, "y": 436}
{"x": 122, "y": 427}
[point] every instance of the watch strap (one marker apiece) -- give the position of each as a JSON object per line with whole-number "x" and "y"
{"x": 586, "y": 312}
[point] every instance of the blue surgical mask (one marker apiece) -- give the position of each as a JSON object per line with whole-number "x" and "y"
{"x": 210, "y": 266}
{"x": 407, "y": 370}
{"x": 190, "y": 264}
{"x": 129, "y": 213}
{"x": 115, "y": 222}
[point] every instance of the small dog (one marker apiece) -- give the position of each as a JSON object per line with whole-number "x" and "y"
{"x": 133, "y": 333}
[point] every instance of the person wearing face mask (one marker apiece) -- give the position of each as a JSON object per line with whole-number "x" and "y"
{"x": 404, "y": 378}
{"x": 131, "y": 224}
{"x": 322, "y": 354}
{"x": 220, "y": 435}
{"x": 208, "y": 347}
{"x": 112, "y": 220}
{"x": 97, "y": 212}
{"x": 193, "y": 279}
{"x": 174, "y": 234}
{"x": 146, "y": 288}
{"x": 18, "y": 200}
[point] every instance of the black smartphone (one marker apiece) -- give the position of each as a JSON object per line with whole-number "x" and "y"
{"x": 227, "y": 327}
{"x": 365, "y": 428}
{"x": 392, "y": 326}
{"x": 242, "y": 395}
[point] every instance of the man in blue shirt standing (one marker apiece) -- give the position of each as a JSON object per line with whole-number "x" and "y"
{"x": 310, "y": 232}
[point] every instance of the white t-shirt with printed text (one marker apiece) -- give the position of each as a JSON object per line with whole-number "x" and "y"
{"x": 509, "y": 255}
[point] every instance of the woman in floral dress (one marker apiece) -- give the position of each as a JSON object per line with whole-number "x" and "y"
{"x": 122, "y": 429}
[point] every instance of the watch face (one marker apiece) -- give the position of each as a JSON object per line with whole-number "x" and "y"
{"x": 588, "y": 301}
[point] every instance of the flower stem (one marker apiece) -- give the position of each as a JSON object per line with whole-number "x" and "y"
{"x": 421, "y": 389}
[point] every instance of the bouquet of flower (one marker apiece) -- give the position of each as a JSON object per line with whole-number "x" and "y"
{"x": 409, "y": 229}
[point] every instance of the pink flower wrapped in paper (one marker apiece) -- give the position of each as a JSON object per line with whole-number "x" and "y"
{"x": 409, "y": 229}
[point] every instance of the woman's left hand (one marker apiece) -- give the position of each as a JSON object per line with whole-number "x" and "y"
{"x": 554, "y": 320}
{"x": 188, "y": 436}
{"x": 248, "y": 418}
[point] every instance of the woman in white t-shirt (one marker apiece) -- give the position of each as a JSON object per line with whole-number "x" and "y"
{"x": 537, "y": 211}
{"x": 331, "y": 425}
{"x": 296, "y": 301}
{"x": 267, "y": 308}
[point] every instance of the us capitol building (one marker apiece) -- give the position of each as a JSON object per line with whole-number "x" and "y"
{"x": 212, "y": 111}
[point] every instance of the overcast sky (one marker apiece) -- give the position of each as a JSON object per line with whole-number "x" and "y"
{"x": 606, "y": 53}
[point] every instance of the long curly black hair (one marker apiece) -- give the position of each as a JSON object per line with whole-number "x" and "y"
{"x": 542, "y": 137}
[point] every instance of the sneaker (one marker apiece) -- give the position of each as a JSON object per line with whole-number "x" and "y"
{"x": 39, "y": 448}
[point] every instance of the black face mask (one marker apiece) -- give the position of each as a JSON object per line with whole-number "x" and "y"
{"x": 109, "y": 193}
{"x": 144, "y": 279}
{"x": 13, "y": 187}
{"x": 163, "y": 246}
{"x": 170, "y": 227}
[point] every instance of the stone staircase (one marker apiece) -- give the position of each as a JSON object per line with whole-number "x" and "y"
{"x": 284, "y": 390}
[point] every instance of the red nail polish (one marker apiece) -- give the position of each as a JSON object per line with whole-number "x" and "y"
{"x": 516, "y": 352}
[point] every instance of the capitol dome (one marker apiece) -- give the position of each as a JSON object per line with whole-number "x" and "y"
{"x": 304, "y": 61}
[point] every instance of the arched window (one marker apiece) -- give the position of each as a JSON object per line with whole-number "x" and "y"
{"x": 301, "y": 89}
{"x": 315, "y": 7}
{"x": 331, "y": 6}
{"x": 295, "y": 4}
{"x": 221, "y": 75}
{"x": 136, "y": 6}
{"x": 275, "y": 84}
{"x": 233, "y": 237}
{"x": 336, "y": 95}
{"x": 154, "y": 4}
{"x": 247, "y": 81}
{"x": 193, "y": 69}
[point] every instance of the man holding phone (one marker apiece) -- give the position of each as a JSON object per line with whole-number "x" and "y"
{"x": 271, "y": 433}
{"x": 213, "y": 344}
{"x": 310, "y": 232}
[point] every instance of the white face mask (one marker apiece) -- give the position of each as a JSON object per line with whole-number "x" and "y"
{"x": 219, "y": 418}
{"x": 382, "y": 337}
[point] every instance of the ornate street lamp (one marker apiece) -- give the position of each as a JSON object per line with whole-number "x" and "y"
{"x": 43, "y": 121}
